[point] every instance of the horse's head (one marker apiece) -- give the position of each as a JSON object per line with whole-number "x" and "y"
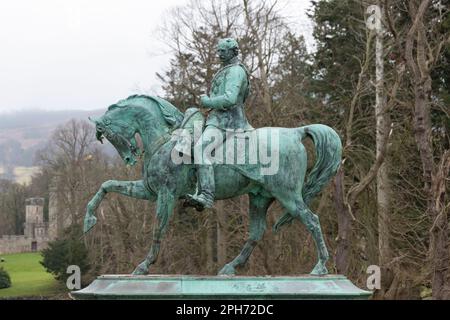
{"x": 121, "y": 135}
{"x": 150, "y": 117}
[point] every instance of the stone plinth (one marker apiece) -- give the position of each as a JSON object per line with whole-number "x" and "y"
{"x": 217, "y": 287}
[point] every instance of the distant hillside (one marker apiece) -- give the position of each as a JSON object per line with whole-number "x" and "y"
{"x": 22, "y": 119}
{"x": 23, "y": 133}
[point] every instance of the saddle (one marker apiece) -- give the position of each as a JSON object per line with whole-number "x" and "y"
{"x": 190, "y": 130}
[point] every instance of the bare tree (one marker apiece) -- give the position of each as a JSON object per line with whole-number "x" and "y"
{"x": 421, "y": 43}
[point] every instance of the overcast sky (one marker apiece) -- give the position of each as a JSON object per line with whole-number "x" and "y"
{"x": 85, "y": 54}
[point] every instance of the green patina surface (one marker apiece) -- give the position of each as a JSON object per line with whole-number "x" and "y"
{"x": 166, "y": 181}
{"x": 207, "y": 287}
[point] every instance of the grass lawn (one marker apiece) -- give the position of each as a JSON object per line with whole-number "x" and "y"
{"x": 28, "y": 276}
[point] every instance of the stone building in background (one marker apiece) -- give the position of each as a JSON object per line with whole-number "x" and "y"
{"x": 36, "y": 231}
{"x": 35, "y": 227}
{"x": 59, "y": 217}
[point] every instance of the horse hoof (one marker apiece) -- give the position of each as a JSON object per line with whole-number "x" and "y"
{"x": 198, "y": 207}
{"x": 319, "y": 270}
{"x": 141, "y": 270}
{"x": 227, "y": 270}
{"x": 89, "y": 223}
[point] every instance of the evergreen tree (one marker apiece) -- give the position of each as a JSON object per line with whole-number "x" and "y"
{"x": 291, "y": 90}
{"x": 341, "y": 36}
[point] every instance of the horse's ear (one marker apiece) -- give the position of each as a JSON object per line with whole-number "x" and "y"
{"x": 94, "y": 120}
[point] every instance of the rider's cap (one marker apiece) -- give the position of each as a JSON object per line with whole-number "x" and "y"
{"x": 227, "y": 43}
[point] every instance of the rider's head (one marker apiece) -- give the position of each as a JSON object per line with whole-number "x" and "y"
{"x": 227, "y": 49}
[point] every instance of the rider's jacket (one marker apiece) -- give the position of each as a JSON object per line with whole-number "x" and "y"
{"x": 229, "y": 90}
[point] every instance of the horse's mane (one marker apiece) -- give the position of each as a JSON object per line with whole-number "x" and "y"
{"x": 171, "y": 114}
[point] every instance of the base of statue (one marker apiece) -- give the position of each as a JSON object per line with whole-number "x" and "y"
{"x": 220, "y": 287}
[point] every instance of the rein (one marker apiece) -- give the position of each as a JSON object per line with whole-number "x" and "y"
{"x": 155, "y": 146}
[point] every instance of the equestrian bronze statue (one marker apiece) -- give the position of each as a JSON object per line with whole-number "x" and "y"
{"x": 228, "y": 158}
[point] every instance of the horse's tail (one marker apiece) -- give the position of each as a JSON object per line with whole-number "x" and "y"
{"x": 328, "y": 148}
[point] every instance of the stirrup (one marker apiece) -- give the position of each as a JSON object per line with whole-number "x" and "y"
{"x": 199, "y": 202}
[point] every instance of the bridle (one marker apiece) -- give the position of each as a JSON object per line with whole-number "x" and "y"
{"x": 116, "y": 137}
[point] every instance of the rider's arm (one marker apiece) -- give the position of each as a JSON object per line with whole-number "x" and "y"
{"x": 234, "y": 79}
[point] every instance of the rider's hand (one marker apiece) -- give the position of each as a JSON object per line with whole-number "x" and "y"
{"x": 204, "y": 100}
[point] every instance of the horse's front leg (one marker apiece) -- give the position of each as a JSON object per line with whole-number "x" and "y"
{"x": 134, "y": 189}
{"x": 164, "y": 210}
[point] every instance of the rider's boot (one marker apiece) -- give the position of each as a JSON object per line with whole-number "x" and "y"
{"x": 206, "y": 188}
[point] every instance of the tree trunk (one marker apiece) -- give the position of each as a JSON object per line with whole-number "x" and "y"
{"x": 209, "y": 243}
{"x": 439, "y": 230}
{"x": 416, "y": 49}
{"x": 342, "y": 258}
{"x": 222, "y": 234}
{"x": 383, "y": 185}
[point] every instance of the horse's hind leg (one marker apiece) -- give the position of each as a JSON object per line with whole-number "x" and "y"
{"x": 300, "y": 210}
{"x": 258, "y": 210}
